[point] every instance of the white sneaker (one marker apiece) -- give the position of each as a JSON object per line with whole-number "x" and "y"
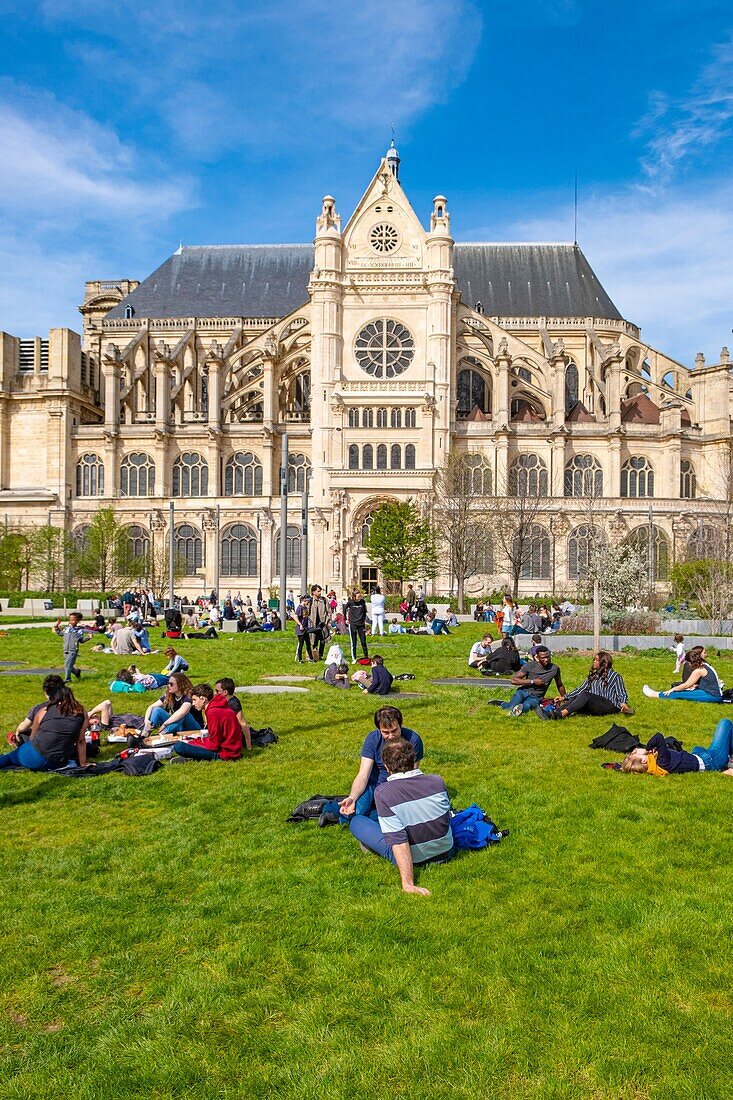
{"x": 648, "y": 692}
{"x": 518, "y": 710}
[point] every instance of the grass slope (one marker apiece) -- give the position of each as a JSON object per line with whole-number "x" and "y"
{"x": 171, "y": 936}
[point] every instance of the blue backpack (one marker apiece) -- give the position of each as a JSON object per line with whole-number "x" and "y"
{"x": 471, "y": 828}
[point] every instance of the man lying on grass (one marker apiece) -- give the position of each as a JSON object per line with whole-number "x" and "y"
{"x": 413, "y": 826}
{"x": 372, "y": 772}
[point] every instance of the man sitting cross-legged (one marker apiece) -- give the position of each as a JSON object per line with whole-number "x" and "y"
{"x": 413, "y": 826}
{"x": 532, "y": 681}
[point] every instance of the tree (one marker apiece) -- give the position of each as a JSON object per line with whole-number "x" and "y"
{"x": 14, "y": 560}
{"x": 401, "y": 543}
{"x": 155, "y": 568}
{"x": 463, "y": 523}
{"x": 105, "y": 559}
{"x": 513, "y": 515}
{"x": 50, "y": 550}
{"x": 708, "y": 583}
{"x": 620, "y": 573}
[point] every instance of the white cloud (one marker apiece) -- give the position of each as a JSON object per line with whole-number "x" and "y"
{"x": 677, "y": 130}
{"x": 59, "y": 160}
{"x": 267, "y": 75}
{"x": 664, "y": 260}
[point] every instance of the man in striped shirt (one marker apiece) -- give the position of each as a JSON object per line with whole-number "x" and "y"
{"x": 414, "y": 817}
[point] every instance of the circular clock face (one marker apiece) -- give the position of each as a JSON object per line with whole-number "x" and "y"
{"x": 384, "y": 348}
{"x": 384, "y": 238}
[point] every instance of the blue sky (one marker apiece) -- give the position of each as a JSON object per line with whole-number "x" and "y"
{"x": 127, "y": 127}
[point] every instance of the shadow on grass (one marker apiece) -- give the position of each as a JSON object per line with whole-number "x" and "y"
{"x": 28, "y": 794}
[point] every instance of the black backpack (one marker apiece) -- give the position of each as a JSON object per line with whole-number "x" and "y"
{"x": 263, "y": 737}
{"x": 312, "y": 808}
{"x": 142, "y": 763}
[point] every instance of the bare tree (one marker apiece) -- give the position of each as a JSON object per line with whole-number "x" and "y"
{"x": 463, "y": 519}
{"x": 515, "y": 514}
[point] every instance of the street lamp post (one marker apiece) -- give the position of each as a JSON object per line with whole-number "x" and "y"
{"x": 284, "y": 529}
{"x": 171, "y": 551}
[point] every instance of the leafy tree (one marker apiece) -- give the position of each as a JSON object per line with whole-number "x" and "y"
{"x": 463, "y": 524}
{"x": 515, "y": 512}
{"x": 105, "y": 559}
{"x": 50, "y": 550}
{"x": 14, "y": 560}
{"x": 708, "y": 583}
{"x": 402, "y": 544}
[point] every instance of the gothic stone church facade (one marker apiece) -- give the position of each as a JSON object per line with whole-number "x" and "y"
{"x": 379, "y": 349}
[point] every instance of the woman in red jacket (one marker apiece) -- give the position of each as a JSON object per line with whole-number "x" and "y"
{"x": 223, "y": 740}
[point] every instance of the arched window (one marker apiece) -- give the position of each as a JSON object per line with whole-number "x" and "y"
{"x": 353, "y": 457}
{"x": 535, "y": 550}
{"x": 637, "y": 477}
{"x": 137, "y": 475}
{"x": 410, "y": 456}
{"x": 238, "y": 551}
{"x": 299, "y": 473}
{"x": 80, "y": 538}
{"x": 365, "y": 529}
{"x": 243, "y": 475}
{"x": 583, "y": 544}
{"x": 189, "y": 547}
{"x": 480, "y": 557}
{"x": 477, "y": 476}
{"x": 395, "y": 457}
{"x": 190, "y": 475}
{"x": 300, "y": 395}
{"x": 367, "y": 418}
{"x": 572, "y": 386}
{"x": 528, "y": 476}
{"x": 382, "y": 456}
{"x": 381, "y": 418}
{"x": 688, "y": 480}
{"x": 410, "y": 418}
{"x": 395, "y": 418}
{"x": 292, "y": 556}
{"x": 139, "y": 539}
{"x": 353, "y": 418}
{"x": 639, "y": 541}
{"x": 583, "y": 477}
{"x": 367, "y": 457}
{"x": 473, "y": 391}
{"x": 90, "y": 476}
{"x": 705, "y": 541}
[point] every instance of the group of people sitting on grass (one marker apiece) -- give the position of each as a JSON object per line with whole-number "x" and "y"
{"x": 54, "y": 733}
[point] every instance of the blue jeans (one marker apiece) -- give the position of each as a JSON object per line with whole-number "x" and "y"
{"x": 364, "y": 807}
{"x": 196, "y": 752}
{"x": 187, "y": 724}
{"x": 25, "y": 756}
{"x": 70, "y": 663}
{"x": 715, "y": 757}
{"x": 529, "y": 700}
{"x": 694, "y": 696}
{"x": 368, "y": 833}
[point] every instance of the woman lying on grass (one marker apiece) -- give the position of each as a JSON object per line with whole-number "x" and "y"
{"x": 701, "y": 686}
{"x": 58, "y": 736}
{"x": 656, "y": 758}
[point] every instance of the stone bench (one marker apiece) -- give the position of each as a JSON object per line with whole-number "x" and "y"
{"x": 228, "y": 626}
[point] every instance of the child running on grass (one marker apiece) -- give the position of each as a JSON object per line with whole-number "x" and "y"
{"x": 656, "y": 758}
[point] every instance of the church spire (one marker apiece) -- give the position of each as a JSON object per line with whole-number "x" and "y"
{"x": 393, "y": 159}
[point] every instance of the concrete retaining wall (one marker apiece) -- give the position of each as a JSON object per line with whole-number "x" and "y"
{"x": 615, "y": 642}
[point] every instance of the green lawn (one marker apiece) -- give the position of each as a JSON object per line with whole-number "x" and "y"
{"x": 171, "y": 936}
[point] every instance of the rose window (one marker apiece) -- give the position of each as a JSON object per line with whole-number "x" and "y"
{"x": 383, "y": 238}
{"x": 384, "y": 349}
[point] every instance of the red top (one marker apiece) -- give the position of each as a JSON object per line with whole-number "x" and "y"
{"x": 223, "y": 729}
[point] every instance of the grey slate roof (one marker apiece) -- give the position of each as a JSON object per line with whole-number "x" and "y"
{"x": 271, "y": 280}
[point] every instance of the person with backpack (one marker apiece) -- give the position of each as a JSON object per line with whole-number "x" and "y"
{"x": 413, "y": 817}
